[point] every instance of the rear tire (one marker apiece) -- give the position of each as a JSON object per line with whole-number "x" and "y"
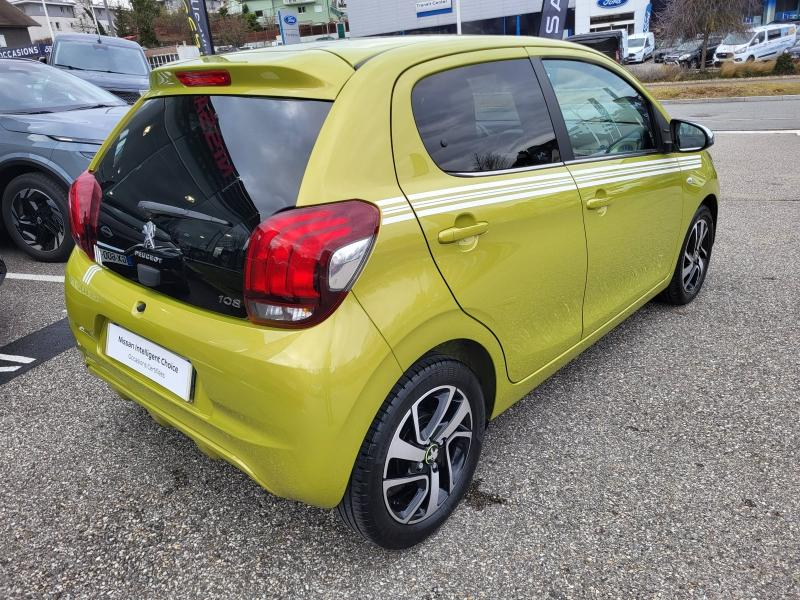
{"x": 693, "y": 261}
{"x": 36, "y": 215}
{"x": 419, "y": 455}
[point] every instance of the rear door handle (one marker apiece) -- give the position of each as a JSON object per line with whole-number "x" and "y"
{"x": 598, "y": 203}
{"x": 453, "y": 234}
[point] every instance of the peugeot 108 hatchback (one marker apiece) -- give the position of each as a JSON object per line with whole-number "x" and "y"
{"x": 332, "y": 266}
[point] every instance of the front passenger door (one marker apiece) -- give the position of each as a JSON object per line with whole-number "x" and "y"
{"x": 631, "y": 191}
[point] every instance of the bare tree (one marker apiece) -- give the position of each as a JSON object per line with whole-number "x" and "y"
{"x": 694, "y": 18}
{"x": 84, "y": 11}
{"x": 230, "y": 30}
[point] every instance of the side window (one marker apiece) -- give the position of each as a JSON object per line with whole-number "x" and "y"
{"x": 774, "y": 34}
{"x": 603, "y": 113}
{"x": 759, "y": 39}
{"x": 485, "y": 117}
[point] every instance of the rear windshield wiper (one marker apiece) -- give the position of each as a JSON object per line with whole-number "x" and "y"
{"x": 156, "y": 208}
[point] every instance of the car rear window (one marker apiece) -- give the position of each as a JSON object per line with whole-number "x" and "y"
{"x": 213, "y": 154}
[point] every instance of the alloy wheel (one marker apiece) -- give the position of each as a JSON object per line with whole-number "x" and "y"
{"x": 695, "y": 256}
{"x": 38, "y": 219}
{"x": 427, "y": 455}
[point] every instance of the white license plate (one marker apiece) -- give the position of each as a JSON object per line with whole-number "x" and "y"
{"x": 158, "y": 364}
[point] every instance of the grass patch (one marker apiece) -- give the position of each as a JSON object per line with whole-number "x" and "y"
{"x": 654, "y": 73}
{"x": 719, "y": 89}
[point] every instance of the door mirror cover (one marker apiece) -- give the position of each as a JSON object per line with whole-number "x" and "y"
{"x": 690, "y": 137}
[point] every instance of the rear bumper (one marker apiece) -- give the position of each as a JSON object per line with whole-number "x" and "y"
{"x": 288, "y": 407}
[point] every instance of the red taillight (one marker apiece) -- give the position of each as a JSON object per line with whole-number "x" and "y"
{"x": 84, "y": 211}
{"x": 301, "y": 263}
{"x": 203, "y": 78}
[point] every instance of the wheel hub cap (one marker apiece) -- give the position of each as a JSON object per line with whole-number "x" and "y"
{"x": 427, "y": 454}
{"x": 695, "y": 256}
{"x": 38, "y": 219}
{"x": 431, "y": 454}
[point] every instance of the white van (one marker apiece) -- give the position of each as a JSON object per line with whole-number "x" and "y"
{"x": 640, "y": 47}
{"x": 761, "y": 43}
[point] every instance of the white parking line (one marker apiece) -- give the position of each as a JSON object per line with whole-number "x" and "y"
{"x": 763, "y": 132}
{"x": 35, "y": 277}
{"x": 25, "y": 360}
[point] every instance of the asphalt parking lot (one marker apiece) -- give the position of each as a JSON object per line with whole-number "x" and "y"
{"x": 661, "y": 463}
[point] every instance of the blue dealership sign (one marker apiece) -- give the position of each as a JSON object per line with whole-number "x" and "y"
{"x": 428, "y": 8}
{"x": 29, "y": 51}
{"x": 611, "y": 3}
{"x": 290, "y": 27}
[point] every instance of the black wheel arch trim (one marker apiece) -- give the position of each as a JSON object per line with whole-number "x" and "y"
{"x": 34, "y": 165}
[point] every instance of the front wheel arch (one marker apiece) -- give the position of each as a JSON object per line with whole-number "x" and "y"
{"x": 711, "y": 202}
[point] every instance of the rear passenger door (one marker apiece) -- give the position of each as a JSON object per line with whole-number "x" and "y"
{"x": 632, "y": 192}
{"x": 477, "y": 157}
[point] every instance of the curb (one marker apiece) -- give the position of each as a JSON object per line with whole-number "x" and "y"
{"x": 732, "y": 99}
{"x": 726, "y": 81}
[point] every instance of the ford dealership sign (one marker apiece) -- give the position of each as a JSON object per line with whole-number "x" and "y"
{"x": 611, "y": 3}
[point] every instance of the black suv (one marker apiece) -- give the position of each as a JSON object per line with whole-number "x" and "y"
{"x": 690, "y": 54}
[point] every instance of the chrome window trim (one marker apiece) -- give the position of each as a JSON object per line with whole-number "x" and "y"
{"x": 588, "y": 159}
{"x": 505, "y": 171}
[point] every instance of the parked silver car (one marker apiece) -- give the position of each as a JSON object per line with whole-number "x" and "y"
{"x": 114, "y": 64}
{"x": 51, "y": 125}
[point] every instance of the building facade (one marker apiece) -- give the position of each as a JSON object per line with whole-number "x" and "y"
{"x": 521, "y": 17}
{"x": 14, "y": 26}
{"x": 781, "y": 10}
{"x": 66, "y": 16}
{"x": 308, "y": 12}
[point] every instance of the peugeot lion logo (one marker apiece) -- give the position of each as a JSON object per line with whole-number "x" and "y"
{"x": 149, "y": 231}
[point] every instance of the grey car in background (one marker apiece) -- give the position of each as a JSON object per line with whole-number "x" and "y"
{"x": 51, "y": 125}
{"x": 114, "y": 64}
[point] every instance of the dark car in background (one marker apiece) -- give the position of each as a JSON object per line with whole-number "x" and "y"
{"x": 51, "y": 125}
{"x": 613, "y": 44}
{"x": 794, "y": 51}
{"x": 690, "y": 54}
{"x": 114, "y": 64}
{"x": 668, "y": 47}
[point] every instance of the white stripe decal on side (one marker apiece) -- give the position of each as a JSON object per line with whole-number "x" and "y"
{"x": 627, "y": 178}
{"x": 396, "y": 209}
{"x": 486, "y": 186}
{"x": 475, "y": 203}
{"x": 391, "y": 201}
{"x": 644, "y": 170}
{"x": 641, "y": 163}
{"x": 90, "y": 273}
{"x": 492, "y": 193}
{"x": 397, "y": 219}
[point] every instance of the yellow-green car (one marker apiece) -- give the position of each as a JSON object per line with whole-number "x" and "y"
{"x": 332, "y": 265}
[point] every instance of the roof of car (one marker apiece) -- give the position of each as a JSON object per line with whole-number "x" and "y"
{"x": 357, "y": 51}
{"x": 319, "y": 69}
{"x": 93, "y": 38}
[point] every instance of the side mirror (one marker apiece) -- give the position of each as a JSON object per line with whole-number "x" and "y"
{"x": 43, "y": 59}
{"x": 690, "y": 137}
